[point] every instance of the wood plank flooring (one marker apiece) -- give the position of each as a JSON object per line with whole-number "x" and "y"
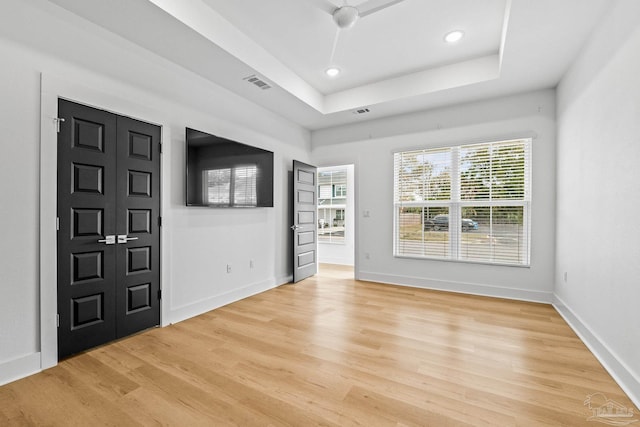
{"x": 329, "y": 351}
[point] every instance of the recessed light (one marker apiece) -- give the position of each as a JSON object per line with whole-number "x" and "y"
{"x": 453, "y": 36}
{"x": 332, "y": 72}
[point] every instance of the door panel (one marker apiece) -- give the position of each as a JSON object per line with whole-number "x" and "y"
{"x": 86, "y": 203}
{"x": 138, "y": 271}
{"x": 305, "y": 208}
{"x": 108, "y": 187}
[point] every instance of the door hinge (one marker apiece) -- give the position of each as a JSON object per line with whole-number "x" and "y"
{"x": 57, "y": 223}
{"x": 57, "y": 320}
{"x": 159, "y": 293}
{"x": 159, "y": 221}
{"x": 57, "y": 121}
{"x": 160, "y": 147}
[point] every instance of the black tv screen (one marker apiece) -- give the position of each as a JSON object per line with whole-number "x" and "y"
{"x": 223, "y": 173}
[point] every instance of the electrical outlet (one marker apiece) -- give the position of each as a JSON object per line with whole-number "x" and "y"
{"x": 228, "y": 268}
{"x": 366, "y": 255}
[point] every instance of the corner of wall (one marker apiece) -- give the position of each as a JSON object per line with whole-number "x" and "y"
{"x": 625, "y": 378}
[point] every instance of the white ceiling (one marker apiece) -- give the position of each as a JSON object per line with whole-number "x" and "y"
{"x": 301, "y": 36}
{"x": 393, "y": 61}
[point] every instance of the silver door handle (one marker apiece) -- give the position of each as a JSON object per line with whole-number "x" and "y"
{"x": 295, "y": 227}
{"x": 108, "y": 240}
{"x": 122, "y": 238}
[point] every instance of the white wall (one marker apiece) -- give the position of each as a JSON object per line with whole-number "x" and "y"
{"x": 342, "y": 252}
{"x": 369, "y": 145}
{"x": 598, "y": 239}
{"x": 598, "y": 176}
{"x": 82, "y": 62}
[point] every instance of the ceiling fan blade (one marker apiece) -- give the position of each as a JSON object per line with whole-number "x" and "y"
{"x": 333, "y": 49}
{"x": 372, "y": 6}
{"x": 325, "y": 5}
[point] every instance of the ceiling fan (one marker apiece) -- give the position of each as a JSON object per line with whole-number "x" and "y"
{"x": 345, "y": 16}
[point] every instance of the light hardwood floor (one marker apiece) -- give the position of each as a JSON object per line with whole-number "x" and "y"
{"x": 329, "y": 351}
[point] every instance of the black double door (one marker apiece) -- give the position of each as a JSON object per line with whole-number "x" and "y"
{"x": 108, "y": 242}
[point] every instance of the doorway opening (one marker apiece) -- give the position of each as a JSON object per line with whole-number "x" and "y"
{"x": 336, "y": 217}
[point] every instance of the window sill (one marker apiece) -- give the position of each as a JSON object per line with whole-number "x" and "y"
{"x": 463, "y": 261}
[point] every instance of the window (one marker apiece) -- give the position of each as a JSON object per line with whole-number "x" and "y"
{"x": 324, "y": 193}
{"x": 340, "y": 190}
{"x": 332, "y": 193}
{"x": 217, "y": 185}
{"x": 231, "y": 186}
{"x": 466, "y": 203}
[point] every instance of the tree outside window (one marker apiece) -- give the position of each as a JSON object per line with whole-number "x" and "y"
{"x": 468, "y": 203}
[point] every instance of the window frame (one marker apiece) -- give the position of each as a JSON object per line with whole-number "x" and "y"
{"x": 456, "y": 205}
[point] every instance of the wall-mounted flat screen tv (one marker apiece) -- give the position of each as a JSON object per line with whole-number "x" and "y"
{"x": 222, "y": 173}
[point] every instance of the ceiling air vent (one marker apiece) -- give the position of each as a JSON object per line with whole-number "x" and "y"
{"x": 257, "y": 81}
{"x": 361, "y": 111}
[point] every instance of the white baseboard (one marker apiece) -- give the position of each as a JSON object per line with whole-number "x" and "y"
{"x": 21, "y": 367}
{"x": 625, "y": 378}
{"x": 284, "y": 280}
{"x": 459, "y": 287}
{"x": 199, "y": 307}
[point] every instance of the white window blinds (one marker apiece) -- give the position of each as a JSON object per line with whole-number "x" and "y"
{"x": 217, "y": 185}
{"x": 244, "y": 185}
{"x": 468, "y": 203}
{"x": 231, "y": 186}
